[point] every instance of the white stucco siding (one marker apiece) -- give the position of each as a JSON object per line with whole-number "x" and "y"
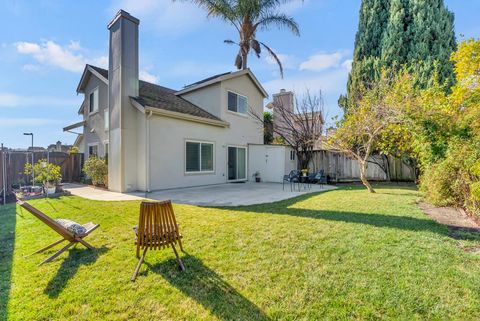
{"x": 208, "y": 98}
{"x": 246, "y": 126}
{"x": 271, "y": 161}
{"x": 94, "y": 132}
{"x": 167, "y": 152}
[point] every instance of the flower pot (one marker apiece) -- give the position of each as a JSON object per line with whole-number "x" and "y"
{"x": 51, "y": 190}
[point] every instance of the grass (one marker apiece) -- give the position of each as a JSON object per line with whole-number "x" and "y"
{"x": 343, "y": 254}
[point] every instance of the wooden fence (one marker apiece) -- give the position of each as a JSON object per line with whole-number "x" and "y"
{"x": 340, "y": 168}
{"x": 71, "y": 166}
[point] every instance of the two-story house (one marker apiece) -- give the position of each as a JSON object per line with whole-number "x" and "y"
{"x": 159, "y": 138}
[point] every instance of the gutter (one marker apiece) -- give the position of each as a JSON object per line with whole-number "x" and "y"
{"x": 147, "y": 152}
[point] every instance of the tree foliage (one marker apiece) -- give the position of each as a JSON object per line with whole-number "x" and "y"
{"x": 45, "y": 173}
{"x": 248, "y": 17}
{"x": 417, "y": 34}
{"x": 96, "y": 169}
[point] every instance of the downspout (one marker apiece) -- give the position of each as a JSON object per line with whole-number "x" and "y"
{"x": 147, "y": 152}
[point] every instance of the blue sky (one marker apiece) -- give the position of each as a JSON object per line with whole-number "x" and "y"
{"x": 45, "y": 44}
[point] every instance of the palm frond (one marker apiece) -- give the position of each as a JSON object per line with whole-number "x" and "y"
{"x": 256, "y": 47}
{"x": 239, "y": 61}
{"x": 230, "y": 42}
{"x": 274, "y": 56}
{"x": 281, "y": 21}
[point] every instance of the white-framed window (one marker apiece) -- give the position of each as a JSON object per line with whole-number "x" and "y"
{"x": 292, "y": 155}
{"x": 237, "y": 103}
{"x": 199, "y": 157}
{"x": 93, "y": 101}
{"x": 93, "y": 150}
{"x": 106, "y": 119}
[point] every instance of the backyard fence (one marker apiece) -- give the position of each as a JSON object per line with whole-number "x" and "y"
{"x": 70, "y": 165}
{"x": 340, "y": 168}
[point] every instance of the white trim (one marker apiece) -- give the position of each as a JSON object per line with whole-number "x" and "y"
{"x": 89, "y": 68}
{"x": 200, "y": 172}
{"x": 246, "y": 164}
{"x": 226, "y": 77}
{"x": 106, "y": 119}
{"x": 95, "y": 97}
{"x": 187, "y": 117}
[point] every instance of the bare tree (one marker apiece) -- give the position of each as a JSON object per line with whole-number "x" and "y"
{"x": 299, "y": 126}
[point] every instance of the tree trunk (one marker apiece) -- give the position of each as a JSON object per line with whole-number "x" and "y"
{"x": 244, "y": 60}
{"x": 363, "y": 176}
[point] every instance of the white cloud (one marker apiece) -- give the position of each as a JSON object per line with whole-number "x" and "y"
{"x": 13, "y": 100}
{"x": 347, "y": 64}
{"x": 292, "y": 6}
{"x": 66, "y": 57}
{"x": 13, "y": 122}
{"x": 288, "y": 61}
{"x": 31, "y": 67}
{"x": 166, "y": 17}
{"x": 148, "y": 77}
{"x": 322, "y": 61}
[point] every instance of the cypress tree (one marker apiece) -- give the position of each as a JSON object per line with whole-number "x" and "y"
{"x": 417, "y": 34}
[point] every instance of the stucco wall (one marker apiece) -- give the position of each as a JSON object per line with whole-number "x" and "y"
{"x": 95, "y": 120}
{"x": 271, "y": 161}
{"x": 208, "y": 98}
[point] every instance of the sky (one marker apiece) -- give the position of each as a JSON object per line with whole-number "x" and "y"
{"x": 45, "y": 44}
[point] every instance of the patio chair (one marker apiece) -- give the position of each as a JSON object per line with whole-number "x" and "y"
{"x": 157, "y": 228}
{"x": 66, "y": 233}
{"x": 292, "y": 178}
{"x": 322, "y": 178}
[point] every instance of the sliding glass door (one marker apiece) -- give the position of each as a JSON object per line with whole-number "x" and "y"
{"x": 237, "y": 163}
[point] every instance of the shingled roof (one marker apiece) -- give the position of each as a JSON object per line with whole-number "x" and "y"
{"x": 155, "y": 96}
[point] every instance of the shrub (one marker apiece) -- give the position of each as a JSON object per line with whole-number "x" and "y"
{"x": 45, "y": 173}
{"x": 96, "y": 169}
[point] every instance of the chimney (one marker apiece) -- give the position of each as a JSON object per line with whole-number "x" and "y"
{"x": 123, "y": 83}
{"x": 58, "y": 146}
{"x": 283, "y": 100}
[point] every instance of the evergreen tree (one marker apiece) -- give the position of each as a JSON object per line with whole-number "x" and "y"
{"x": 417, "y": 34}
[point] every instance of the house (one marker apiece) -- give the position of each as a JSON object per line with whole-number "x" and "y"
{"x": 59, "y": 147}
{"x": 158, "y": 138}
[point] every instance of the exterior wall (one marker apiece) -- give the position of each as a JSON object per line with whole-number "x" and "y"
{"x": 271, "y": 161}
{"x": 167, "y": 152}
{"x": 208, "y": 98}
{"x": 94, "y": 131}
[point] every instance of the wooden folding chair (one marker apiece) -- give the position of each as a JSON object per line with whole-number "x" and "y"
{"x": 66, "y": 234}
{"x": 157, "y": 228}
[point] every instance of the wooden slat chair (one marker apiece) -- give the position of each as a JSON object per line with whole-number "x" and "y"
{"x": 157, "y": 229}
{"x": 66, "y": 234}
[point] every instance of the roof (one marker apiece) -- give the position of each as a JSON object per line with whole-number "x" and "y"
{"x": 156, "y": 96}
{"x": 101, "y": 73}
{"x": 221, "y": 77}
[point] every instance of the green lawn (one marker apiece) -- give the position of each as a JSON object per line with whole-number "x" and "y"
{"x": 344, "y": 254}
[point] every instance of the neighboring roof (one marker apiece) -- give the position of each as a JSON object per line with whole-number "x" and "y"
{"x": 156, "y": 96}
{"x": 222, "y": 77}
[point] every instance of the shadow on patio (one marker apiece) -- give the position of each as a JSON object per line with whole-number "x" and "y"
{"x": 7, "y": 240}
{"x": 207, "y": 288}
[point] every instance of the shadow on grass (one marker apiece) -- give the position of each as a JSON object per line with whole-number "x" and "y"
{"x": 207, "y": 288}
{"x": 408, "y": 223}
{"x": 70, "y": 265}
{"x": 7, "y": 244}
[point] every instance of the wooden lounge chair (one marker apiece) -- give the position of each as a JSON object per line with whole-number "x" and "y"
{"x": 57, "y": 227}
{"x": 157, "y": 228}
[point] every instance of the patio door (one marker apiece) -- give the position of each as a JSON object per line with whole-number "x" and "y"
{"x": 237, "y": 163}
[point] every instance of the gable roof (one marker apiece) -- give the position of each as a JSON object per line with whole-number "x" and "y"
{"x": 156, "y": 96}
{"x": 222, "y": 77}
{"x": 153, "y": 96}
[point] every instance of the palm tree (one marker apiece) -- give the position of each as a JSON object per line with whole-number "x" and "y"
{"x": 249, "y": 16}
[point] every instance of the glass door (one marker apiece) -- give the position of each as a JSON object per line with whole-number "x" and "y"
{"x": 237, "y": 163}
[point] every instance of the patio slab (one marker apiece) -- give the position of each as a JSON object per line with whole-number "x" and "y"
{"x": 234, "y": 194}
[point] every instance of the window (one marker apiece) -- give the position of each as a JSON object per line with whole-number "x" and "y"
{"x": 198, "y": 157}
{"x": 292, "y": 155}
{"x": 237, "y": 103}
{"x": 106, "y": 119}
{"x": 93, "y": 150}
{"x": 93, "y": 101}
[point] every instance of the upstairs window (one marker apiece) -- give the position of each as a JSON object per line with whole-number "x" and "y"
{"x": 237, "y": 103}
{"x": 93, "y": 101}
{"x": 93, "y": 150}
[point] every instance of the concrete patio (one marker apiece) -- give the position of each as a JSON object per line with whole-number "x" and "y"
{"x": 234, "y": 194}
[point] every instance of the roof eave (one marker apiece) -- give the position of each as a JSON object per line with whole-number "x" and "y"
{"x": 187, "y": 117}
{"x": 88, "y": 68}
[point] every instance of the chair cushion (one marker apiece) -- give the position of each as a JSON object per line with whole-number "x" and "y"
{"x": 72, "y": 226}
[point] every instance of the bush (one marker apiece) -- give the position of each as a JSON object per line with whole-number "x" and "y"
{"x": 96, "y": 169}
{"x": 45, "y": 173}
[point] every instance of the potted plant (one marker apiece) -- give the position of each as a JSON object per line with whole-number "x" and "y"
{"x": 256, "y": 175}
{"x": 48, "y": 174}
{"x": 304, "y": 172}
